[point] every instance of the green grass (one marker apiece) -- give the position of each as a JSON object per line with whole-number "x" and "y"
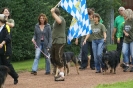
{"x": 111, "y": 47}
{"x": 27, "y": 65}
{"x": 128, "y": 84}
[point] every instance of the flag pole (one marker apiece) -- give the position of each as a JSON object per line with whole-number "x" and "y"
{"x": 58, "y": 4}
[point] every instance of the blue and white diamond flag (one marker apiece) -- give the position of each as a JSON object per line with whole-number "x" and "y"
{"x": 80, "y": 25}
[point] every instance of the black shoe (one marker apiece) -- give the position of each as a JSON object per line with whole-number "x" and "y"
{"x": 82, "y": 67}
{"x": 47, "y": 73}
{"x": 126, "y": 69}
{"x": 92, "y": 68}
{"x": 79, "y": 62}
{"x": 16, "y": 80}
{"x": 131, "y": 70}
{"x": 98, "y": 71}
{"x": 34, "y": 72}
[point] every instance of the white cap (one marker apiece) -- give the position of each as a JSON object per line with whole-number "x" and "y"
{"x": 121, "y": 8}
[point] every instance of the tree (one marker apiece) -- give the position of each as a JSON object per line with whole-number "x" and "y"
{"x": 25, "y": 13}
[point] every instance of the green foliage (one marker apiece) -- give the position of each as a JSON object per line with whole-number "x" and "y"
{"x": 25, "y": 13}
{"x": 103, "y": 7}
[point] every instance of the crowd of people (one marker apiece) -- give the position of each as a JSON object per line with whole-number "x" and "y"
{"x": 91, "y": 43}
{"x": 51, "y": 42}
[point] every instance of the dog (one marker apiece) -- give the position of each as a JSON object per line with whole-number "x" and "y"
{"x": 66, "y": 58}
{"x": 110, "y": 59}
{"x": 3, "y": 74}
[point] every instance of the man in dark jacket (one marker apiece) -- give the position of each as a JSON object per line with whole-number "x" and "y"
{"x": 7, "y": 50}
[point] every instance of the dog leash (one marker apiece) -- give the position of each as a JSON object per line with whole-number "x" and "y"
{"x": 48, "y": 56}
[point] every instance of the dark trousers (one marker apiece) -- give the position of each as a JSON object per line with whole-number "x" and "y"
{"x": 57, "y": 51}
{"x": 6, "y": 61}
{"x": 84, "y": 58}
{"x": 92, "y": 63}
{"x": 119, "y": 47}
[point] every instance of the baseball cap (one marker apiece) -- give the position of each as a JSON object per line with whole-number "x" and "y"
{"x": 2, "y": 18}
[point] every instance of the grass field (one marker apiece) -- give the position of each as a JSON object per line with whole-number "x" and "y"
{"x": 128, "y": 84}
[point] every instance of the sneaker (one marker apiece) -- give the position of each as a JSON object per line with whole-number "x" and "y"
{"x": 82, "y": 68}
{"x": 60, "y": 79}
{"x": 123, "y": 65}
{"x": 57, "y": 76}
{"x": 131, "y": 70}
{"x": 34, "y": 72}
{"x": 47, "y": 73}
{"x": 126, "y": 69}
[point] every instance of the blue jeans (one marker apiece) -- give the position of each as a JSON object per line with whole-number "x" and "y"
{"x": 125, "y": 50}
{"x": 37, "y": 57}
{"x": 97, "y": 46}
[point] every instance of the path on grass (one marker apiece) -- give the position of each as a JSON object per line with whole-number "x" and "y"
{"x": 86, "y": 79}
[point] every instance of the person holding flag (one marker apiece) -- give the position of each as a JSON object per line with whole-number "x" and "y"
{"x": 84, "y": 60}
{"x": 59, "y": 40}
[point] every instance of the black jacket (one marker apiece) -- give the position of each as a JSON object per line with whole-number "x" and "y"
{"x": 4, "y": 36}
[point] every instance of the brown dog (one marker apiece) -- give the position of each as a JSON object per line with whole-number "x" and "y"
{"x": 67, "y": 58}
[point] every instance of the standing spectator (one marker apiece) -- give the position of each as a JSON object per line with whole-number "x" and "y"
{"x": 118, "y": 31}
{"x": 88, "y": 44}
{"x": 8, "y": 56}
{"x": 98, "y": 39}
{"x": 42, "y": 39}
{"x": 10, "y": 21}
{"x": 128, "y": 39}
{"x": 92, "y": 63}
{"x": 59, "y": 40}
